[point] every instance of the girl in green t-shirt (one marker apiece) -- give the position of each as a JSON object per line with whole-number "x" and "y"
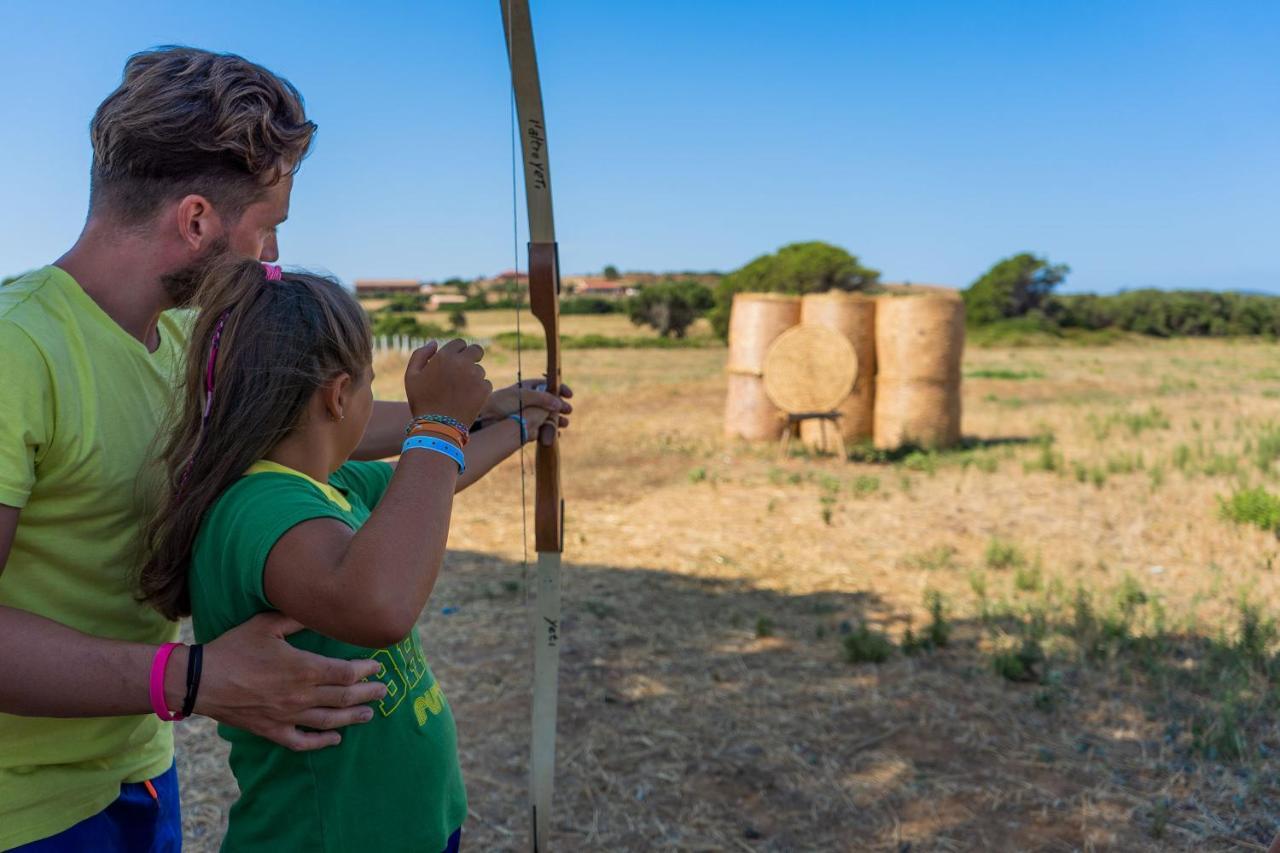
{"x": 267, "y": 512}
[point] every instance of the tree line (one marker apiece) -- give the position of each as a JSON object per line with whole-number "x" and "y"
{"x": 1017, "y": 294}
{"x": 1019, "y": 291}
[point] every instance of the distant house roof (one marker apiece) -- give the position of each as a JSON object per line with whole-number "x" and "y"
{"x": 387, "y": 284}
{"x": 586, "y": 282}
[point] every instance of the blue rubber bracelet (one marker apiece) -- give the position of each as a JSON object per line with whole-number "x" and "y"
{"x": 524, "y": 428}
{"x": 436, "y": 445}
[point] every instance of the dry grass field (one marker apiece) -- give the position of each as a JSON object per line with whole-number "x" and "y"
{"x": 1078, "y": 646}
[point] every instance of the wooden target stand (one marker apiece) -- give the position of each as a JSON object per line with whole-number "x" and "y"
{"x": 809, "y": 371}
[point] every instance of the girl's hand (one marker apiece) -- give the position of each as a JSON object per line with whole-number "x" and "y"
{"x": 447, "y": 381}
{"x": 535, "y": 418}
{"x": 532, "y": 392}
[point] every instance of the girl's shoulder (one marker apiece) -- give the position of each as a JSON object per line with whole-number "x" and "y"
{"x": 367, "y": 480}
{"x": 263, "y": 504}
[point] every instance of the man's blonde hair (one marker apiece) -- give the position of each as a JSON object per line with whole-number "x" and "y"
{"x": 185, "y": 121}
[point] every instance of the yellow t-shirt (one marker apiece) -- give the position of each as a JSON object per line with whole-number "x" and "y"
{"x": 81, "y": 403}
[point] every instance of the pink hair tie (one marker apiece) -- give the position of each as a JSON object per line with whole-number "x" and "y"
{"x": 273, "y": 272}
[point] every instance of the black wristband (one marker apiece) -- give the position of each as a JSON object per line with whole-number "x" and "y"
{"x": 195, "y": 663}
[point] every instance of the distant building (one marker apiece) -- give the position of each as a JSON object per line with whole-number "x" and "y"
{"x": 504, "y": 280}
{"x": 387, "y": 286}
{"x": 585, "y": 285}
{"x": 440, "y": 301}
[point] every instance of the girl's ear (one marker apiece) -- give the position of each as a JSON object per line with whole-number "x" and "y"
{"x": 336, "y": 395}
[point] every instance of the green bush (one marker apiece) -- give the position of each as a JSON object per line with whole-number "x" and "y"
{"x": 1252, "y": 506}
{"x": 410, "y": 303}
{"x": 591, "y": 305}
{"x": 389, "y": 323}
{"x": 669, "y": 307}
{"x": 867, "y": 646}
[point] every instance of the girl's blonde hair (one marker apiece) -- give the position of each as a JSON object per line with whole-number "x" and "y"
{"x": 259, "y": 350}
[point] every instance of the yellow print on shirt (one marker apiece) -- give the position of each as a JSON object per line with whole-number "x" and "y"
{"x": 403, "y": 667}
{"x": 432, "y": 700}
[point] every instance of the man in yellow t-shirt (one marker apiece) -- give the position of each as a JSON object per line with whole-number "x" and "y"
{"x": 192, "y": 156}
{"x": 193, "y": 160}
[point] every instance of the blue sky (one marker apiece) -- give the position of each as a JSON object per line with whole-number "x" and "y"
{"x": 1138, "y": 141}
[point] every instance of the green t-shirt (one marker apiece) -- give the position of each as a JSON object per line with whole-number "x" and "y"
{"x": 394, "y": 783}
{"x": 81, "y": 402}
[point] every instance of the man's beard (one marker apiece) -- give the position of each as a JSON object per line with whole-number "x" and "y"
{"x": 181, "y": 285}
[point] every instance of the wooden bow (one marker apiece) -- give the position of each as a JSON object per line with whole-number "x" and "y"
{"x": 544, "y": 299}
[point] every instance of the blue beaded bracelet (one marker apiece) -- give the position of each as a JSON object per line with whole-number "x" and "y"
{"x": 436, "y": 445}
{"x": 524, "y": 428}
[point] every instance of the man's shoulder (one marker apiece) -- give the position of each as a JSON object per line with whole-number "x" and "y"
{"x": 22, "y": 298}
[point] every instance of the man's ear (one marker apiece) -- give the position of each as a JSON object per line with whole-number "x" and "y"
{"x": 199, "y": 224}
{"x": 336, "y": 395}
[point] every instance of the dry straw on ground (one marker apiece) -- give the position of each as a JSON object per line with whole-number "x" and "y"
{"x": 706, "y": 700}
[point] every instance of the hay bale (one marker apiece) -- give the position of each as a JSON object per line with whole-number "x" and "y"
{"x": 757, "y": 319}
{"x": 919, "y": 337}
{"x": 919, "y": 349}
{"x": 917, "y": 412}
{"x": 853, "y": 316}
{"x": 809, "y": 369}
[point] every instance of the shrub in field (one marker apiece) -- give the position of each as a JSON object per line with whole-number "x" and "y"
{"x": 864, "y": 645}
{"x": 939, "y": 631}
{"x": 1254, "y": 506}
{"x": 1003, "y": 555}
{"x": 387, "y": 323}
{"x": 579, "y": 305}
{"x": 1267, "y": 449}
{"x": 1022, "y": 663}
{"x": 865, "y": 485}
{"x": 1028, "y": 578}
{"x": 405, "y": 303}
{"x": 669, "y": 307}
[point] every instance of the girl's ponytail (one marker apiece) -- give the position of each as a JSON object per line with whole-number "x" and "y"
{"x": 261, "y": 344}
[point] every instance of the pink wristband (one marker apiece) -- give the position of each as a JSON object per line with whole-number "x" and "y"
{"x": 158, "y": 665}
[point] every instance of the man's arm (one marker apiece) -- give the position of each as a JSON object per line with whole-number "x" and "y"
{"x": 385, "y": 434}
{"x": 252, "y": 678}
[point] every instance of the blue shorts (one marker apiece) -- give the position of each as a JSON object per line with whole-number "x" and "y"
{"x": 146, "y": 818}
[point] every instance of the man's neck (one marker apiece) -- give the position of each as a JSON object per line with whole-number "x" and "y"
{"x": 120, "y": 273}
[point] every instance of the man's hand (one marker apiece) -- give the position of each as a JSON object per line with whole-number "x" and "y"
{"x": 256, "y": 681}
{"x": 506, "y": 401}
